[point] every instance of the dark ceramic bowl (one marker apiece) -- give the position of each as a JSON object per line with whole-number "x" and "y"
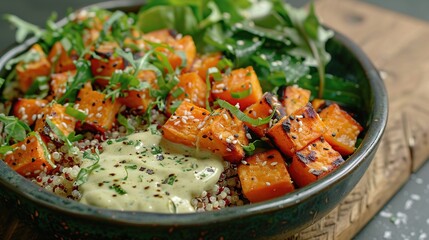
{"x": 282, "y": 216}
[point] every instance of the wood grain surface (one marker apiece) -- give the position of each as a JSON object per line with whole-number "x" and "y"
{"x": 397, "y": 45}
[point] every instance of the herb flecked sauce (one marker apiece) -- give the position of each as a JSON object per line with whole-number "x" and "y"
{"x": 144, "y": 172}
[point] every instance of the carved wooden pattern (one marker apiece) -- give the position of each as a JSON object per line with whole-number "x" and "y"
{"x": 397, "y": 45}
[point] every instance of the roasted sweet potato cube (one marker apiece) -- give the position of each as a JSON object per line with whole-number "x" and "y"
{"x": 202, "y": 64}
{"x": 264, "y": 176}
{"x": 103, "y": 66}
{"x": 313, "y": 162}
{"x": 342, "y": 129}
{"x": 318, "y": 104}
{"x": 262, "y": 109}
{"x": 193, "y": 88}
{"x": 240, "y": 87}
{"x": 140, "y": 99}
{"x": 183, "y": 126}
{"x": 160, "y": 36}
{"x": 294, "y": 132}
{"x": 58, "y": 116}
{"x": 29, "y": 157}
{"x": 224, "y": 134}
{"x": 59, "y": 82}
{"x": 294, "y": 98}
{"x": 101, "y": 112}
{"x": 27, "y": 109}
{"x": 61, "y": 60}
{"x": 187, "y": 46}
{"x": 27, "y": 72}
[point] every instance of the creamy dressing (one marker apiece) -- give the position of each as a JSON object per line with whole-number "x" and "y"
{"x": 145, "y": 172}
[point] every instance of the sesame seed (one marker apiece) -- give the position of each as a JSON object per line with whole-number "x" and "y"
{"x": 274, "y": 163}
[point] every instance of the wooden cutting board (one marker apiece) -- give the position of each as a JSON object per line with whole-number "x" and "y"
{"x": 398, "y": 46}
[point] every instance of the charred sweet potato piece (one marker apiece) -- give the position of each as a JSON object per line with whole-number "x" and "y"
{"x": 101, "y": 112}
{"x": 103, "y": 66}
{"x": 294, "y": 132}
{"x": 342, "y": 129}
{"x": 58, "y": 116}
{"x": 313, "y": 162}
{"x": 262, "y": 109}
{"x": 202, "y": 64}
{"x": 58, "y": 83}
{"x": 29, "y": 157}
{"x": 224, "y": 134}
{"x": 140, "y": 99}
{"x": 264, "y": 176}
{"x": 61, "y": 60}
{"x": 183, "y": 126}
{"x": 26, "y": 72}
{"x": 193, "y": 88}
{"x": 27, "y": 109}
{"x": 294, "y": 98}
{"x": 241, "y": 81}
{"x": 318, "y": 104}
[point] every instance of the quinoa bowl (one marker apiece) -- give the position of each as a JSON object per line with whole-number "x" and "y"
{"x": 280, "y": 216}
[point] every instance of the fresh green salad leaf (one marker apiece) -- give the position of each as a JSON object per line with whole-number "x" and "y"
{"x": 82, "y": 76}
{"x": 14, "y": 128}
{"x": 23, "y": 28}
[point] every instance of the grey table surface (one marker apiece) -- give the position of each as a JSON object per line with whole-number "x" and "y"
{"x": 405, "y": 216}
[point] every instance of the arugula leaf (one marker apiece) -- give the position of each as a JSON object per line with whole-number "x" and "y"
{"x": 57, "y": 131}
{"x": 24, "y": 28}
{"x": 5, "y": 149}
{"x": 2, "y": 81}
{"x": 83, "y": 75}
{"x": 309, "y": 38}
{"x": 124, "y": 122}
{"x": 14, "y": 128}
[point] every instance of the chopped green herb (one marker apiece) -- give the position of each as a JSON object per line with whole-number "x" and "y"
{"x": 242, "y": 116}
{"x": 118, "y": 189}
{"x": 76, "y": 113}
{"x": 156, "y": 150}
{"x": 242, "y": 94}
{"x": 133, "y": 167}
{"x": 83, "y": 174}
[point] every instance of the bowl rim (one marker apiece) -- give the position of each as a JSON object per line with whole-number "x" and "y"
{"x": 14, "y": 182}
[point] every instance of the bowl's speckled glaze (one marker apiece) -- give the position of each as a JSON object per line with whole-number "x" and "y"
{"x": 64, "y": 218}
